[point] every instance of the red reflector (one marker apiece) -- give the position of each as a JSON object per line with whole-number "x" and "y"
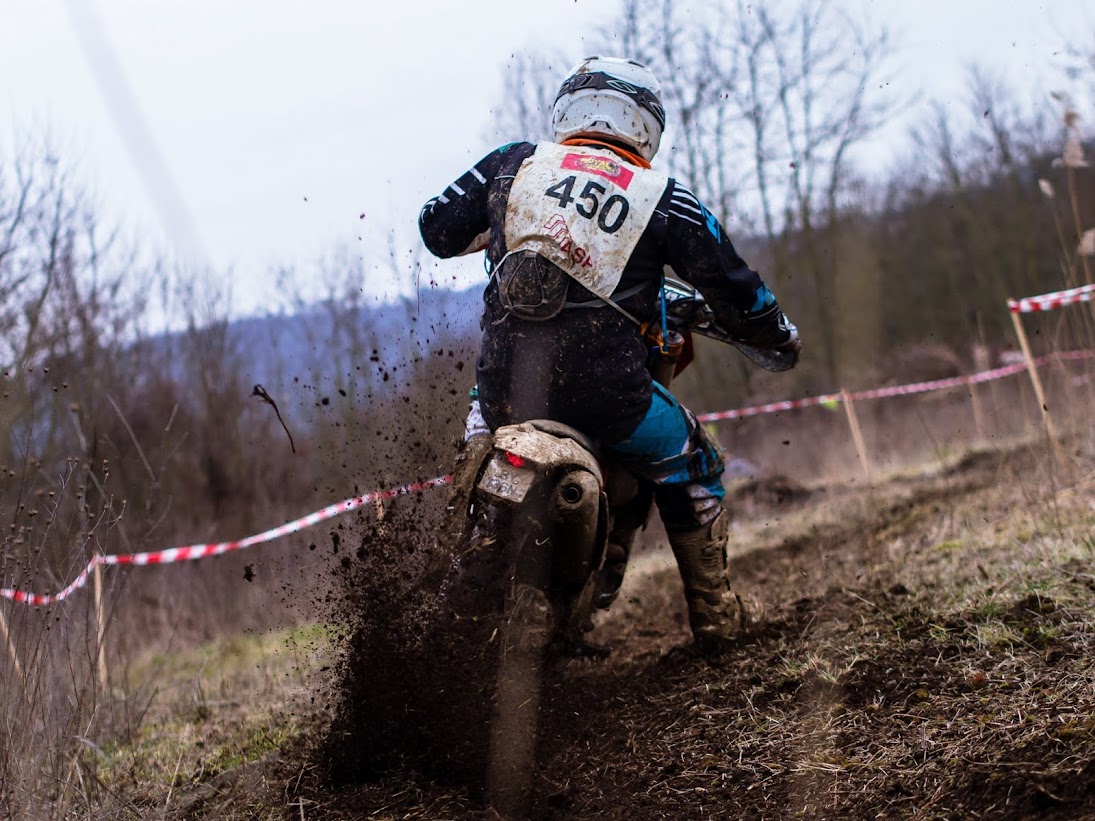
{"x": 515, "y": 460}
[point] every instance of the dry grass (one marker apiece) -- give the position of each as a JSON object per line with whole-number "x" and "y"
{"x": 216, "y": 711}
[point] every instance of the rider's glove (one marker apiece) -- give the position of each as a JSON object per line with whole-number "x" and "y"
{"x": 768, "y": 328}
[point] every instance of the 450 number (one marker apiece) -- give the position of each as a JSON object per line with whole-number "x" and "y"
{"x": 610, "y": 214}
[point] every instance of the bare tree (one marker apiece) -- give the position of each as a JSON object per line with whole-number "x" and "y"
{"x": 824, "y": 65}
{"x": 529, "y": 85}
{"x": 70, "y": 292}
{"x": 703, "y": 140}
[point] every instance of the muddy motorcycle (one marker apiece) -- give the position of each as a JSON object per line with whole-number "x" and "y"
{"x": 549, "y": 527}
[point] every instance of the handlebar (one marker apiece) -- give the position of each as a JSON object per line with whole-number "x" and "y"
{"x": 687, "y": 310}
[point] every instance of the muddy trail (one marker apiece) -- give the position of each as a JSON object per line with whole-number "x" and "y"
{"x": 922, "y": 650}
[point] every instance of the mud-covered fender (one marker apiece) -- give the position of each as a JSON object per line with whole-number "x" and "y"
{"x": 545, "y": 450}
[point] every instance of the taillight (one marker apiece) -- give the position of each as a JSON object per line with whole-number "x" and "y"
{"x": 515, "y": 460}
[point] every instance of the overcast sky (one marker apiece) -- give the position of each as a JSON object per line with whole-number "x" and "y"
{"x": 266, "y": 128}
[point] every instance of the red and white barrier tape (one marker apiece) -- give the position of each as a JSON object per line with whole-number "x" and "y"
{"x": 1047, "y": 302}
{"x": 198, "y": 551}
{"x": 772, "y": 407}
{"x": 897, "y": 390}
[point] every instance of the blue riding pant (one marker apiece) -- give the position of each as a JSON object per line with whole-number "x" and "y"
{"x": 671, "y": 449}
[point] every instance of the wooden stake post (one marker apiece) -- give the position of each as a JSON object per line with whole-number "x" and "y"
{"x": 857, "y": 434}
{"x": 1035, "y": 380}
{"x": 11, "y": 648}
{"x": 100, "y": 627}
{"x": 978, "y": 413}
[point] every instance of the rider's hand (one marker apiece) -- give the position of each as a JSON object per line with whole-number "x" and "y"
{"x": 768, "y": 328}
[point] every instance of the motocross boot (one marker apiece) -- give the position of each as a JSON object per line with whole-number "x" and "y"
{"x": 465, "y": 469}
{"x": 715, "y": 613}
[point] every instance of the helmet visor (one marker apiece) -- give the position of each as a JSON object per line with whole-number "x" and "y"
{"x": 642, "y": 97}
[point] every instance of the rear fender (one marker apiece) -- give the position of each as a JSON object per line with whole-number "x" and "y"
{"x": 545, "y": 450}
{"x": 526, "y": 462}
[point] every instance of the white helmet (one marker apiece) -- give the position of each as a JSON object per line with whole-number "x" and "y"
{"x": 614, "y": 98}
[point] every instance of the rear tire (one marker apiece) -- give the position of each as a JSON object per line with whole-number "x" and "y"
{"x": 525, "y": 635}
{"x": 495, "y": 623}
{"x": 527, "y": 629}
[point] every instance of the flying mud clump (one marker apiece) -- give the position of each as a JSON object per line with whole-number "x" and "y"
{"x": 409, "y": 685}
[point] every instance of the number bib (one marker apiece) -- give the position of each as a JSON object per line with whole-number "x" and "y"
{"x": 583, "y": 210}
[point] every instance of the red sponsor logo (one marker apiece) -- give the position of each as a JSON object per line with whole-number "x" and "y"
{"x": 601, "y": 166}
{"x": 557, "y": 229}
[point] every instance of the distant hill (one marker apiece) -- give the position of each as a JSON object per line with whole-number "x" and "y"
{"x": 363, "y": 350}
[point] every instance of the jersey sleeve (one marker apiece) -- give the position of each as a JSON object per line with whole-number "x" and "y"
{"x": 699, "y": 252}
{"x": 456, "y": 221}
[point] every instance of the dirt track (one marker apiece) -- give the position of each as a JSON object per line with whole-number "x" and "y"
{"x": 925, "y": 653}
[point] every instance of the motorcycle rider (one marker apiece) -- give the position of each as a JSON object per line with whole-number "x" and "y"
{"x": 578, "y": 234}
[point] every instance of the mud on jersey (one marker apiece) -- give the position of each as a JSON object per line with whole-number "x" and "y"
{"x": 582, "y": 209}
